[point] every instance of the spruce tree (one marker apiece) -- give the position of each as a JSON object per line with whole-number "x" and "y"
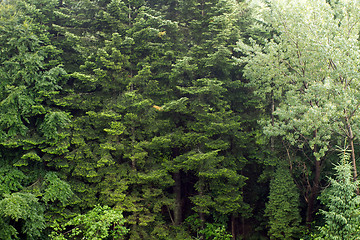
{"x": 207, "y": 131}
{"x": 282, "y": 209}
{"x": 342, "y": 212}
{"x": 115, "y": 94}
{"x": 33, "y": 130}
{"x": 143, "y": 120}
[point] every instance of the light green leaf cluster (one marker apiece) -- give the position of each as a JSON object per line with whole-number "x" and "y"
{"x": 26, "y": 207}
{"x": 215, "y": 232}
{"x": 310, "y": 68}
{"x": 117, "y": 128}
{"x": 99, "y": 223}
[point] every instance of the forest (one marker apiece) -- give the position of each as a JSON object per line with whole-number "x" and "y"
{"x": 179, "y": 119}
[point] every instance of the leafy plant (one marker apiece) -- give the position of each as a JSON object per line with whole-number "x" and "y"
{"x": 208, "y": 231}
{"x": 213, "y": 231}
{"x": 23, "y": 207}
{"x": 99, "y": 223}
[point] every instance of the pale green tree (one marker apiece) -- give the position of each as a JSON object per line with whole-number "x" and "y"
{"x": 310, "y": 70}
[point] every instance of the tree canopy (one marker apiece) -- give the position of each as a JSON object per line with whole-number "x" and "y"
{"x": 200, "y": 119}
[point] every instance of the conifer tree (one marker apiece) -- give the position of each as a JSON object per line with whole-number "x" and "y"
{"x": 34, "y": 132}
{"x": 342, "y": 214}
{"x": 116, "y": 156}
{"x": 207, "y": 128}
{"x": 282, "y": 209}
{"x": 143, "y": 120}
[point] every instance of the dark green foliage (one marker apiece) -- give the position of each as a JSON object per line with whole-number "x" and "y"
{"x": 117, "y": 97}
{"x": 11, "y": 180}
{"x": 282, "y": 208}
{"x": 29, "y": 81}
{"x": 32, "y": 129}
{"x": 145, "y": 106}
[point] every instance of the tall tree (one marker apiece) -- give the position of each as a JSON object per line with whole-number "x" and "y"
{"x": 208, "y": 140}
{"x": 152, "y": 99}
{"x": 283, "y": 206}
{"x": 117, "y": 153}
{"x": 33, "y": 131}
{"x": 310, "y": 68}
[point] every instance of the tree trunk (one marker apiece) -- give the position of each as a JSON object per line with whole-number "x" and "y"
{"x": 178, "y": 200}
{"x": 202, "y": 9}
{"x": 133, "y": 158}
{"x": 272, "y": 144}
{"x": 201, "y": 213}
{"x": 353, "y": 158}
{"x": 313, "y": 195}
{"x": 129, "y": 15}
{"x": 351, "y": 140}
{"x": 233, "y": 227}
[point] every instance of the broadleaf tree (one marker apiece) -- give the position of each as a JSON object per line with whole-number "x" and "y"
{"x": 310, "y": 69}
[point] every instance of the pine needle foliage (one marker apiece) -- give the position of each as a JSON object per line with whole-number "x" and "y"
{"x": 282, "y": 208}
{"x": 342, "y": 214}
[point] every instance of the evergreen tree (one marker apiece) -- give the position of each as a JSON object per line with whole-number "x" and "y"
{"x": 142, "y": 121}
{"x": 208, "y": 138}
{"x": 33, "y": 132}
{"x": 342, "y": 214}
{"x": 282, "y": 208}
{"x": 116, "y": 156}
